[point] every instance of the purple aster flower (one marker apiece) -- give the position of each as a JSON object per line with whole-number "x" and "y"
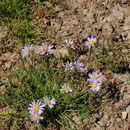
{"x": 49, "y": 102}
{"x": 35, "y": 117}
{"x": 79, "y": 65}
{"x": 36, "y": 107}
{"x": 69, "y": 43}
{"x": 66, "y": 88}
{"x": 27, "y": 50}
{"x": 94, "y": 76}
{"x": 95, "y": 86}
{"x": 68, "y": 66}
{"x": 46, "y": 48}
{"x": 91, "y": 41}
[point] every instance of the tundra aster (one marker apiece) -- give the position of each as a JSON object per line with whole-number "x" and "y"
{"x": 66, "y": 88}
{"x": 27, "y": 51}
{"x": 79, "y": 65}
{"x": 35, "y": 116}
{"x": 95, "y": 86}
{"x": 68, "y": 66}
{"x": 49, "y": 102}
{"x": 37, "y": 107}
{"x": 94, "y": 76}
{"x": 90, "y": 41}
{"x": 46, "y": 48}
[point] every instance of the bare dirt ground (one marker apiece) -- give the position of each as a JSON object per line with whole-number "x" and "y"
{"x": 77, "y": 19}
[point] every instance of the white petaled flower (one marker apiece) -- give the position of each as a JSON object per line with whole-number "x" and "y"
{"x": 68, "y": 66}
{"x": 90, "y": 41}
{"x": 79, "y": 65}
{"x": 35, "y": 116}
{"x": 49, "y": 102}
{"x": 37, "y": 107}
{"x": 46, "y": 48}
{"x": 66, "y": 88}
{"x": 27, "y": 51}
{"x": 95, "y": 86}
{"x": 94, "y": 76}
{"x": 69, "y": 43}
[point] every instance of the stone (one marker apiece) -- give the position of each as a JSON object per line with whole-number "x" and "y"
{"x": 83, "y": 58}
{"x": 90, "y": 18}
{"x": 118, "y": 120}
{"x": 85, "y": 12}
{"x": 77, "y": 119}
{"x": 107, "y": 30}
{"x": 128, "y": 111}
{"x": 124, "y": 115}
{"x": 112, "y": 128}
{"x": 63, "y": 52}
{"x": 127, "y": 20}
{"x": 8, "y": 65}
{"x": 126, "y": 97}
{"x": 118, "y": 14}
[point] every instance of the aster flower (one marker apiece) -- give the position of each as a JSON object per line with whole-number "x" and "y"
{"x": 94, "y": 76}
{"x": 68, "y": 66}
{"x": 46, "y": 48}
{"x": 49, "y": 102}
{"x": 27, "y": 50}
{"x": 66, "y": 88}
{"x": 34, "y": 116}
{"x": 36, "y": 107}
{"x": 79, "y": 65}
{"x": 69, "y": 43}
{"x": 90, "y": 41}
{"x": 95, "y": 86}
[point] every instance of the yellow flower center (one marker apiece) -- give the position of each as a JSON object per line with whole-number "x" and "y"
{"x": 28, "y": 51}
{"x": 35, "y": 115}
{"x": 45, "y": 48}
{"x": 67, "y": 67}
{"x": 36, "y": 107}
{"x": 91, "y": 42}
{"x": 6, "y": 112}
{"x": 48, "y": 102}
{"x": 94, "y": 77}
{"x": 78, "y": 66}
{"x": 66, "y": 89}
{"x": 94, "y": 85}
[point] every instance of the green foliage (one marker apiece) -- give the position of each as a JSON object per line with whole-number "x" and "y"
{"x": 113, "y": 56}
{"x": 40, "y": 79}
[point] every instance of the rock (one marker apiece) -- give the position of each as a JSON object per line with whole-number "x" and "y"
{"x": 77, "y": 119}
{"x": 127, "y": 20}
{"x": 85, "y": 12}
{"x": 126, "y": 27}
{"x": 124, "y": 115}
{"x": 128, "y": 36}
{"x": 91, "y": 18}
{"x": 61, "y": 52}
{"x": 8, "y": 65}
{"x": 107, "y": 30}
{"x": 83, "y": 58}
{"x": 118, "y": 14}
{"x": 128, "y": 111}
{"x": 126, "y": 97}
{"x": 112, "y": 128}
{"x": 14, "y": 57}
{"x": 118, "y": 120}
{"x": 122, "y": 89}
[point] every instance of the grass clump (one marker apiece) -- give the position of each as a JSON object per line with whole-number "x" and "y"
{"x": 51, "y": 91}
